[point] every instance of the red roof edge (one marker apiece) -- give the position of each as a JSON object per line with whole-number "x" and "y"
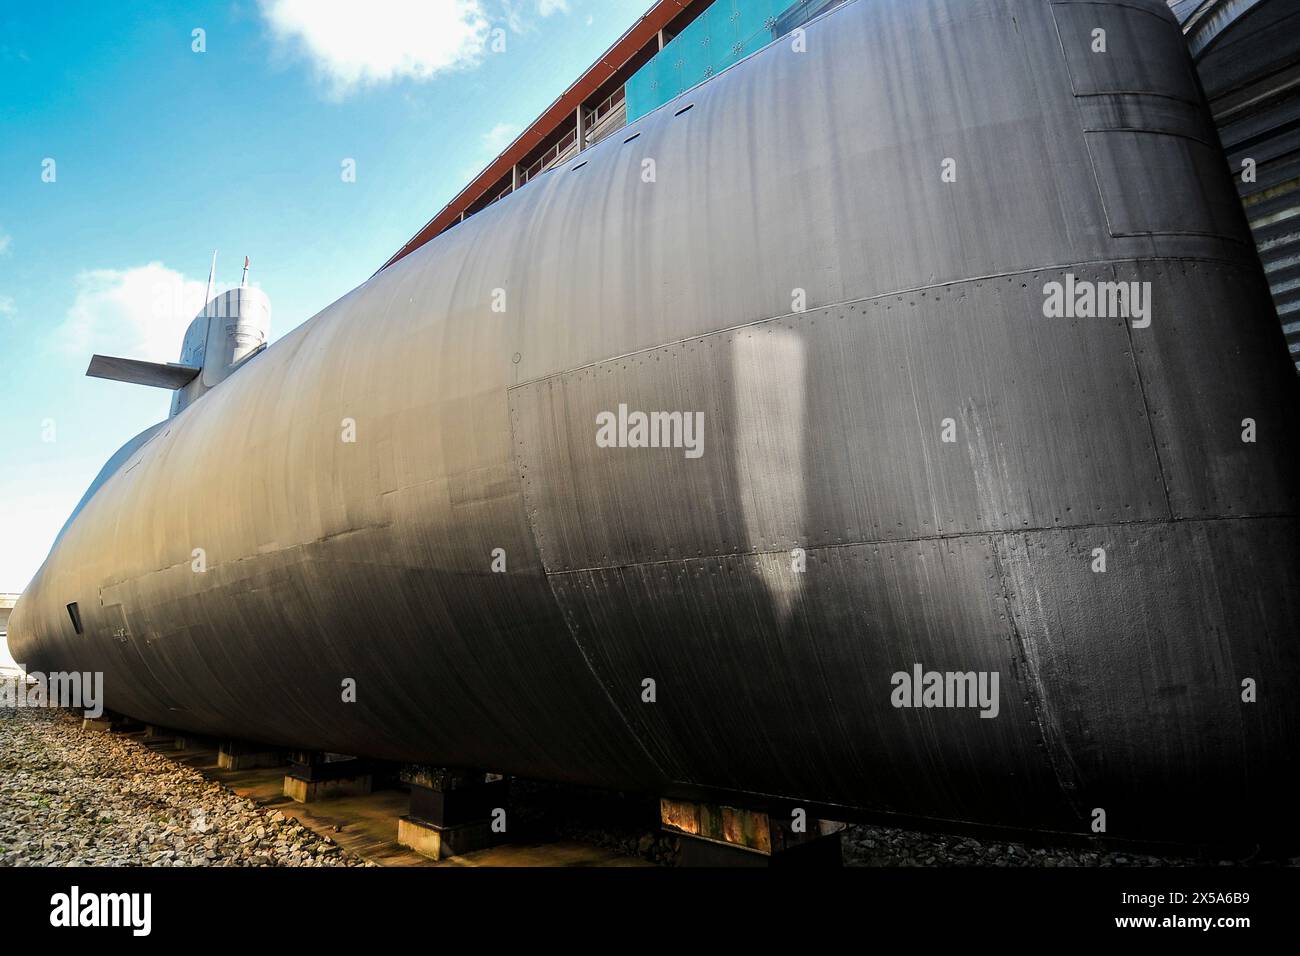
{"x": 625, "y": 47}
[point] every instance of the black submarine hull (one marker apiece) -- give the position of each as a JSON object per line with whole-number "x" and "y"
{"x": 913, "y": 452}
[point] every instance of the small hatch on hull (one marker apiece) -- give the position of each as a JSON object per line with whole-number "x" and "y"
{"x": 75, "y": 614}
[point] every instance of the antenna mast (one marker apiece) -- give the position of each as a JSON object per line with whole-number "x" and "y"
{"x": 211, "y": 272}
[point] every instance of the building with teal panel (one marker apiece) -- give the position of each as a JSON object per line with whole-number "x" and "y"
{"x": 725, "y": 33}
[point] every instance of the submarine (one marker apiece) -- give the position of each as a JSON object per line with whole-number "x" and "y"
{"x": 957, "y": 550}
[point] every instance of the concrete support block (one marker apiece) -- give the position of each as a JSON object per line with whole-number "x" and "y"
{"x": 239, "y": 755}
{"x": 301, "y": 790}
{"x": 158, "y": 735}
{"x": 438, "y": 843}
{"x": 453, "y": 811}
{"x": 320, "y": 776}
{"x": 719, "y": 835}
{"x": 109, "y": 722}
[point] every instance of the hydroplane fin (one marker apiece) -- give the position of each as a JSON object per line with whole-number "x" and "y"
{"x": 137, "y": 372}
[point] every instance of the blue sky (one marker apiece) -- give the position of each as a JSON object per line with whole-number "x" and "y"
{"x": 162, "y": 154}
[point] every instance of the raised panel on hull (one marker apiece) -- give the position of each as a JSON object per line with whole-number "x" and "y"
{"x": 1132, "y": 166}
{"x": 827, "y": 428}
{"x": 1141, "y": 54}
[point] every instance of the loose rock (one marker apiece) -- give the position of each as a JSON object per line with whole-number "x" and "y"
{"x": 71, "y": 797}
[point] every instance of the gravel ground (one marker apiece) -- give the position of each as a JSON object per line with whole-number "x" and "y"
{"x": 887, "y": 846}
{"x": 70, "y": 797}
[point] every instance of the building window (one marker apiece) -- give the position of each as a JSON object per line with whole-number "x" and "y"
{"x": 74, "y": 613}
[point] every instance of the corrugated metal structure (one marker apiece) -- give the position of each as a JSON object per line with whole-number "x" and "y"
{"x": 1247, "y": 53}
{"x": 907, "y": 459}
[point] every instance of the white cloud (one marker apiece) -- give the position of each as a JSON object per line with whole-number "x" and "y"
{"x": 519, "y": 15}
{"x": 499, "y": 137}
{"x": 494, "y": 141}
{"x": 358, "y": 44}
{"x": 5, "y": 240}
{"x": 6, "y": 305}
{"x": 136, "y": 313}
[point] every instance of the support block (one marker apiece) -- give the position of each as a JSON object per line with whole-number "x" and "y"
{"x": 438, "y": 843}
{"x": 452, "y": 810}
{"x": 110, "y": 722}
{"x": 719, "y": 835}
{"x": 301, "y": 790}
{"x": 158, "y": 735}
{"x": 458, "y": 805}
{"x": 101, "y": 725}
{"x": 313, "y": 766}
{"x": 237, "y": 755}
